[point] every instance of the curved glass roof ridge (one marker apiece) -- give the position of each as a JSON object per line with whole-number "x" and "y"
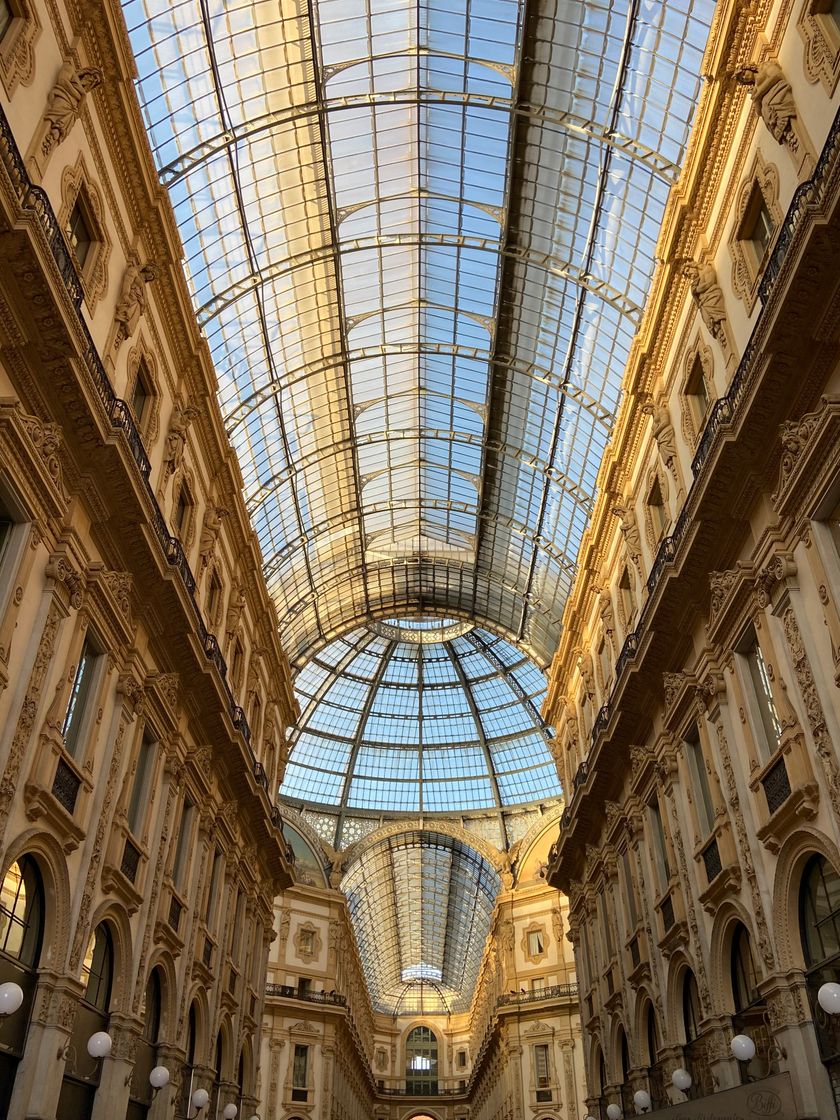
{"x": 418, "y": 238}
{"x": 392, "y": 725}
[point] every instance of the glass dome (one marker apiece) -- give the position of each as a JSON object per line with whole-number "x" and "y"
{"x": 420, "y": 716}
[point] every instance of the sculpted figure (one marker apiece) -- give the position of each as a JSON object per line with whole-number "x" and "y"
{"x": 708, "y": 295}
{"x": 630, "y": 531}
{"x": 210, "y": 533}
{"x": 663, "y": 430}
{"x": 234, "y": 612}
{"x": 587, "y": 674}
{"x": 132, "y": 301}
{"x": 64, "y": 102}
{"x": 176, "y": 438}
{"x": 772, "y": 97}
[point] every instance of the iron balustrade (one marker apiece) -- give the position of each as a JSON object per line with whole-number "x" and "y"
{"x": 776, "y": 785}
{"x": 711, "y": 860}
{"x": 554, "y": 991}
{"x": 724, "y": 410}
{"x": 34, "y": 199}
{"x": 289, "y": 991}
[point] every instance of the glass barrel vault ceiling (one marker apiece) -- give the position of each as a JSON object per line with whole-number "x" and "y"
{"x": 419, "y": 237}
{"x": 421, "y": 905}
{"x": 392, "y": 721}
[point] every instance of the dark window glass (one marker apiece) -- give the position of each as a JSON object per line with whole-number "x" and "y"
{"x": 79, "y": 233}
{"x": 151, "y": 1018}
{"x": 819, "y": 912}
{"x": 98, "y": 969}
{"x": 22, "y": 912}
{"x": 6, "y": 17}
{"x": 140, "y": 394}
{"x": 79, "y": 697}
{"x": 691, "y": 1007}
{"x": 142, "y": 781}
{"x": 744, "y": 979}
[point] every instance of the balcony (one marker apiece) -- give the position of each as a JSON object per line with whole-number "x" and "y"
{"x": 289, "y": 991}
{"x": 556, "y": 991}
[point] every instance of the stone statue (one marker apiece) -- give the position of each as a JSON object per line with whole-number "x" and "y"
{"x": 234, "y": 612}
{"x": 132, "y": 301}
{"x": 587, "y": 674}
{"x": 606, "y": 611}
{"x": 772, "y": 97}
{"x": 210, "y": 532}
{"x": 663, "y": 431}
{"x": 64, "y": 102}
{"x": 176, "y": 438}
{"x": 708, "y": 296}
{"x": 630, "y": 532}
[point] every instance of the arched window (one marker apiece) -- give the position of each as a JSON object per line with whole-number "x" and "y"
{"x": 98, "y": 969}
{"x": 145, "y": 1060}
{"x": 22, "y": 912}
{"x": 81, "y": 1072}
{"x": 743, "y": 975}
{"x": 651, "y": 1035}
{"x": 819, "y": 912}
{"x": 21, "y": 937}
{"x": 819, "y": 927}
{"x": 421, "y": 1062}
{"x": 690, "y": 1006}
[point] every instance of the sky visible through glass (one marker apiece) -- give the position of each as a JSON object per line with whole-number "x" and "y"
{"x": 419, "y": 253}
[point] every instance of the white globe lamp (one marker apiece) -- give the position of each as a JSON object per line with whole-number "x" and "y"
{"x": 11, "y": 997}
{"x": 230, "y": 1111}
{"x": 681, "y": 1079}
{"x": 641, "y": 1099}
{"x": 200, "y": 1098}
{"x": 613, "y": 1112}
{"x": 743, "y": 1047}
{"x": 828, "y": 998}
{"x": 99, "y": 1044}
{"x": 159, "y": 1077}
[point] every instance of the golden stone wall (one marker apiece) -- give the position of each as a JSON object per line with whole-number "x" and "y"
{"x": 695, "y": 688}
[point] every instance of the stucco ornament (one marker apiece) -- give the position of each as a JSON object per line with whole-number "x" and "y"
{"x": 772, "y": 97}
{"x": 132, "y": 302}
{"x": 708, "y": 296}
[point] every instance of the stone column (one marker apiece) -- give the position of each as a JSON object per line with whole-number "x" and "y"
{"x": 39, "y": 1074}
{"x": 115, "y": 1077}
{"x": 163, "y": 1105}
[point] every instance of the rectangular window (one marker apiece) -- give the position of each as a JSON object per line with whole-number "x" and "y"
{"x": 700, "y": 784}
{"x": 626, "y": 589}
{"x": 535, "y": 942}
{"x": 79, "y": 233}
{"x": 462, "y": 1059}
{"x": 763, "y": 705}
{"x": 213, "y": 893}
{"x": 542, "y": 1073}
{"x": 182, "y": 848}
{"x": 140, "y": 394}
{"x": 656, "y": 505}
{"x": 183, "y": 510}
{"x": 299, "y": 1073}
{"x": 80, "y": 696}
{"x": 214, "y": 597}
{"x": 6, "y": 17}
{"x": 757, "y": 229}
{"x": 304, "y": 985}
{"x": 629, "y": 891}
{"x": 604, "y": 661}
{"x": 142, "y": 784}
{"x": 697, "y": 393}
{"x": 609, "y": 945}
{"x": 660, "y": 851}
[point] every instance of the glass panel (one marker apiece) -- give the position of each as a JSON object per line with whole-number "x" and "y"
{"x": 22, "y": 912}
{"x": 98, "y": 968}
{"x": 79, "y": 697}
{"x": 343, "y": 180}
{"x": 142, "y": 782}
{"x": 700, "y": 785}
